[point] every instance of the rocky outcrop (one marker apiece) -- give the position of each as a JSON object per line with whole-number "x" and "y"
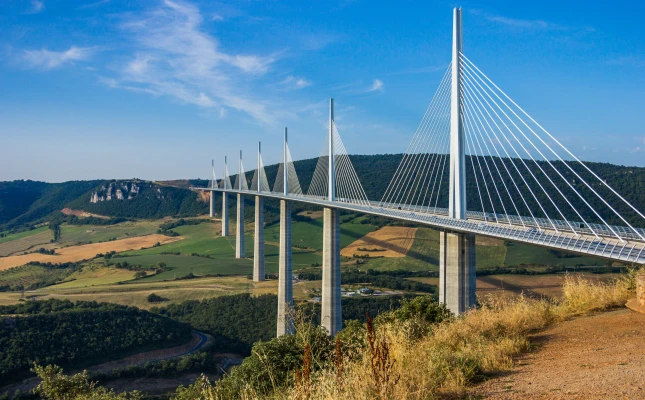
{"x": 119, "y": 190}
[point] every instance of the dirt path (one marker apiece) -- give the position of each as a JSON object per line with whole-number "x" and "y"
{"x": 595, "y": 357}
{"x": 198, "y": 341}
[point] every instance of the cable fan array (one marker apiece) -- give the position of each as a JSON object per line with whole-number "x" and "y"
{"x": 348, "y": 188}
{"x": 241, "y": 182}
{"x": 225, "y": 183}
{"x": 520, "y": 174}
{"x": 420, "y": 182}
{"x": 517, "y": 173}
{"x": 293, "y": 184}
{"x": 260, "y": 178}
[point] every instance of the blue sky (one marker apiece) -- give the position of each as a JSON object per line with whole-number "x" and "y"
{"x": 156, "y": 89}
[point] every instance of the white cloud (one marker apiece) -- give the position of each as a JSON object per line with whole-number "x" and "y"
{"x": 92, "y": 5}
{"x": 175, "y": 57}
{"x": 377, "y": 86}
{"x": 520, "y": 23}
{"x": 295, "y": 82}
{"x": 36, "y": 6}
{"x": 217, "y": 17}
{"x": 529, "y": 24}
{"x": 47, "y": 59}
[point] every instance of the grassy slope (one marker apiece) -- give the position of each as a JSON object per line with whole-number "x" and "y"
{"x": 71, "y": 234}
{"x": 24, "y": 241}
{"x": 31, "y": 274}
{"x": 519, "y": 253}
{"x": 203, "y": 239}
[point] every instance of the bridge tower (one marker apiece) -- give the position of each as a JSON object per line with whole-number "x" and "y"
{"x": 258, "y": 245}
{"x": 239, "y": 231}
{"x": 285, "y": 274}
{"x": 331, "y": 317}
{"x": 225, "y": 201}
{"x": 457, "y": 250}
{"x": 211, "y": 209}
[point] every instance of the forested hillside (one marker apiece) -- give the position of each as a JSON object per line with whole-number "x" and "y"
{"x": 376, "y": 171}
{"x": 143, "y": 200}
{"x": 24, "y": 203}
{"x": 28, "y": 202}
{"x": 64, "y": 333}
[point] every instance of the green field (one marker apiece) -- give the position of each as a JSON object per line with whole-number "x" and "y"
{"x": 23, "y": 241}
{"x": 28, "y": 275}
{"x": 309, "y": 234}
{"x": 203, "y": 239}
{"x": 72, "y": 234}
{"x": 519, "y": 253}
{"x": 95, "y": 274}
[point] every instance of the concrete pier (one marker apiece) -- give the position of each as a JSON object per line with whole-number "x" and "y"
{"x": 331, "y": 317}
{"x": 285, "y": 277}
{"x": 211, "y": 212}
{"x": 457, "y": 271}
{"x": 239, "y": 231}
{"x": 224, "y": 214}
{"x": 258, "y": 241}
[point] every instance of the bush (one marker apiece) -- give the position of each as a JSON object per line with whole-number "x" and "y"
{"x": 155, "y": 298}
{"x": 55, "y": 385}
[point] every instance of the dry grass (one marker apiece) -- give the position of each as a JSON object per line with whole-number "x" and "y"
{"x": 460, "y": 352}
{"x": 396, "y": 363}
{"x": 389, "y": 241}
{"x": 582, "y": 295}
{"x": 86, "y": 251}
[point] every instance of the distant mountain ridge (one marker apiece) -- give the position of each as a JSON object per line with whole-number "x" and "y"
{"x": 30, "y": 202}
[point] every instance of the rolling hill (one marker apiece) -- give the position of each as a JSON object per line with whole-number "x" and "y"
{"x": 25, "y": 203}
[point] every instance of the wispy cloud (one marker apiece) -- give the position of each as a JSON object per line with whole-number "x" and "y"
{"x": 36, "y": 7}
{"x": 377, "y": 86}
{"x": 175, "y": 57}
{"x": 627, "y": 61}
{"x": 95, "y": 4}
{"x": 47, "y": 59}
{"x": 295, "y": 82}
{"x": 217, "y": 17}
{"x": 527, "y": 24}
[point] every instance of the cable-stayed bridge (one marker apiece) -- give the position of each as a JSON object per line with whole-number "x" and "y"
{"x": 523, "y": 185}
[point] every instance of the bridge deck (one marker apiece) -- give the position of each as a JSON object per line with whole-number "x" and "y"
{"x": 517, "y": 229}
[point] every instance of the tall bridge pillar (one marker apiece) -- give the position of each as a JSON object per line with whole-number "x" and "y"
{"x": 331, "y": 316}
{"x": 457, "y": 250}
{"x": 285, "y": 274}
{"x": 224, "y": 214}
{"x": 457, "y": 271}
{"x": 331, "y": 305}
{"x": 211, "y": 211}
{"x": 258, "y": 241}
{"x": 239, "y": 231}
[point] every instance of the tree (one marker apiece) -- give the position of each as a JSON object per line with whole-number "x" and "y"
{"x": 140, "y": 274}
{"x": 55, "y": 385}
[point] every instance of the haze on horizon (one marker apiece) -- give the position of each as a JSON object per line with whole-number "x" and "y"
{"x": 155, "y": 90}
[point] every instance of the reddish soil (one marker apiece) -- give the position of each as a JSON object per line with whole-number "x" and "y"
{"x": 81, "y": 213}
{"x": 596, "y": 357}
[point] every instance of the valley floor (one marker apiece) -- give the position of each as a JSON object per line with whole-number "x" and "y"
{"x": 596, "y": 357}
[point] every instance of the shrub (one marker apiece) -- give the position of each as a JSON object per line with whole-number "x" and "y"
{"x": 155, "y": 298}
